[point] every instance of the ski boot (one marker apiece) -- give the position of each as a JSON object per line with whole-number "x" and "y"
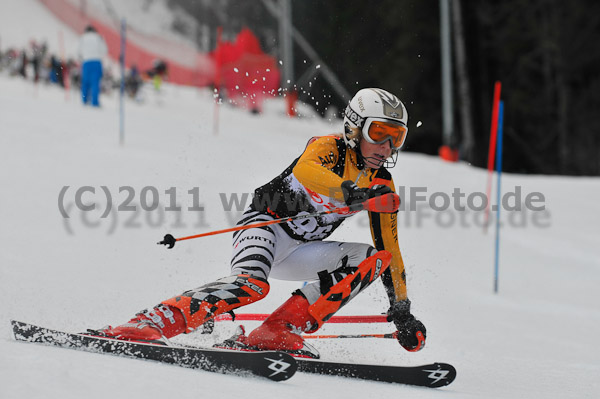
{"x": 279, "y": 332}
{"x": 155, "y": 326}
{"x": 189, "y": 311}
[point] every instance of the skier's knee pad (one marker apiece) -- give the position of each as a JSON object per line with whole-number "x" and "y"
{"x": 346, "y": 289}
{"x": 203, "y": 303}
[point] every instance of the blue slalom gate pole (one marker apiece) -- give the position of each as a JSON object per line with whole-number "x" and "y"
{"x": 499, "y": 193}
{"x": 122, "y": 91}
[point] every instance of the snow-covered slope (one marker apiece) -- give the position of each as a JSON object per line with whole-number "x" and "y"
{"x": 536, "y": 338}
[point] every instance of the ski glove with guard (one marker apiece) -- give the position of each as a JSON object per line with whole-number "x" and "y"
{"x": 353, "y": 194}
{"x": 411, "y": 332}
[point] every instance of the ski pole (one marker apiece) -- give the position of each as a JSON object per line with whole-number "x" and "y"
{"x": 388, "y": 335}
{"x": 386, "y": 203}
{"x": 335, "y": 319}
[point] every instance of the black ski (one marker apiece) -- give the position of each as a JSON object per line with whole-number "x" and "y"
{"x": 276, "y": 366}
{"x": 433, "y": 375}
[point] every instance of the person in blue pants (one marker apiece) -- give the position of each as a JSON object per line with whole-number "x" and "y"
{"x": 92, "y": 49}
{"x": 91, "y": 74}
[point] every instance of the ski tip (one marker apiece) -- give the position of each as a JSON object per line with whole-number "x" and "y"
{"x": 21, "y": 330}
{"x": 17, "y": 324}
{"x": 439, "y": 374}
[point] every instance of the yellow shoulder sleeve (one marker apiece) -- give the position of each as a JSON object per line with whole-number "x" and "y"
{"x": 314, "y": 168}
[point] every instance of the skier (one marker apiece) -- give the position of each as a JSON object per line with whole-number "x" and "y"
{"x": 333, "y": 171}
{"x": 92, "y": 49}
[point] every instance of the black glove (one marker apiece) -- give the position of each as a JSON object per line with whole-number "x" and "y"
{"x": 354, "y": 194}
{"x": 411, "y": 332}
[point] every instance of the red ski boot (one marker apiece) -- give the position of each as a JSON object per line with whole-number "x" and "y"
{"x": 190, "y": 310}
{"x": 154, "y": 326}
{"x": 282, "y": 329}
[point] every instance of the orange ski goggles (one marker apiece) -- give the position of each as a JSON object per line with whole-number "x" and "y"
{"x": 379, "y": 130}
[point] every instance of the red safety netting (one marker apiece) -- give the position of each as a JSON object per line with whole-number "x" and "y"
{"x": 193, "y": 68}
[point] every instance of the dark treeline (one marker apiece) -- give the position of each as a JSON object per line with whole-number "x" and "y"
{"x": 545, "y": 53}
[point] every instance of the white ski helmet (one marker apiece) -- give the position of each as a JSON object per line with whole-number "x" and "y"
{"x": 372, "y": 104}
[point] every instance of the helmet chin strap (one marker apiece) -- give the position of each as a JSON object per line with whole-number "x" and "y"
{"x": 387, "y": 163}
{"x": 391, "y": 161}
{"x": 376, "y": 161}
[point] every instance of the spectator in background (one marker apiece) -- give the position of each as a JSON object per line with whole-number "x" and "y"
{"x": 133, "y": 82}
{"x": 37, "y": 54}
{"x": 56, "y": 71}
{"x": 92, "y": 49}
{"x": 158, "y": 73}
{"x": 23, "y": 65}
{"x": 74, "y": 73}
{"x": 13, "y": 62}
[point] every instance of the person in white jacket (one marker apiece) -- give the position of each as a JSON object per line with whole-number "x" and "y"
{"x": 92, "y": 49}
